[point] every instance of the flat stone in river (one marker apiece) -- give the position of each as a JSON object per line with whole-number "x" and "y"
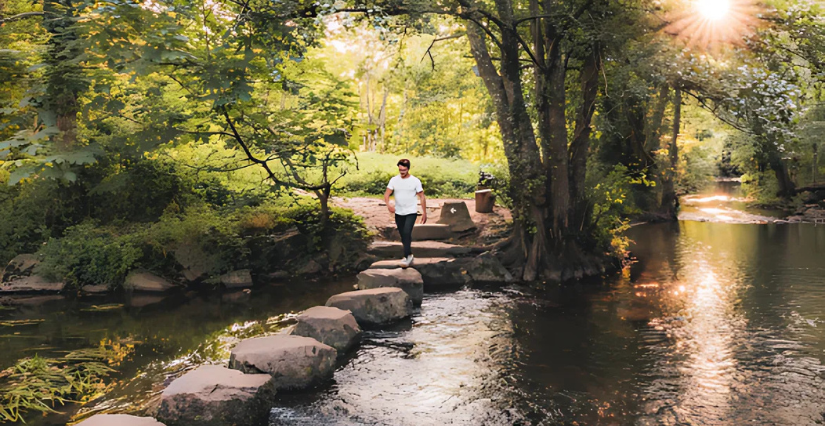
{"x": 215, "y": 395}
{"x": 407, "y": 279}
{"x": 375, "y": 307}
{"x": 294, "y": 362}
{"x": 330, "y": 326}
{"x": 119, "y": 420}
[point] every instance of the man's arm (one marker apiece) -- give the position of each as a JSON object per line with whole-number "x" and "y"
{"x": 423, "y": 207}
{"x": 390, "y": 207}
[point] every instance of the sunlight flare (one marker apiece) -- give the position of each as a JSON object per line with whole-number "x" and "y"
{"x": 713, "y": 10}
{"x": 707, "y": 24}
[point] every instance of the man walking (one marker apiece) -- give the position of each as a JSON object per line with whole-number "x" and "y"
{"x": 405, "y": 188}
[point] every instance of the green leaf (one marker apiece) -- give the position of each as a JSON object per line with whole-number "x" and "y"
{"x": 19, "y": 174}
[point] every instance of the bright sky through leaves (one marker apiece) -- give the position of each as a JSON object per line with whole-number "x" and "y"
{"x": 708, "y": 24}
{"x": 713, "y": 10}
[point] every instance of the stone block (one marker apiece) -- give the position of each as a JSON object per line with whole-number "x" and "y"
{"x": 119, "y": 420}
{"x": 294, "y": 362}
{"x": 330, "y": 326}
{"x": 407, "y": 279}
{"x": 374, "y": 307}
{"x": 457, "y": 216}
{"x": 215, "y": 395}
{"x": 237, "y": 279}
{"x": 147, "y": 281}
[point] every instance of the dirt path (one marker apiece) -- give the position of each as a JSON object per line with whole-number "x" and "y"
{"x": 378, "y": 219}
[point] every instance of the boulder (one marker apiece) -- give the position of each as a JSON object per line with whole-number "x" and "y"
{"x": 147, "y": 281}
{"x": 31, "y": 284}
{"x": 216, "y": 395}
{"x": 21, "y": 266}
{"x": 95, "y": 289}
{"x": 487, "y": 269}
{"x": 195, "y": 263}
{"x": 407, "y": 279}
{"x": 294, "y": 362}
{"x": 435, "y": 271}
{"x": 330, "y": 326}
{"x": 237, "y": 279}
{"x": 457, "y": 216}
{"x": 310, "y": 268}
{"x": 374, "y": 307}
{"x": 119, "y": 420}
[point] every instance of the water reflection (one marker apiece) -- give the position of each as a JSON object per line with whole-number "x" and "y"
{"x": 726, "y": 350}
{"x": 715, "y": 324}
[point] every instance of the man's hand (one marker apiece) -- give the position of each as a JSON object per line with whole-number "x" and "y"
{"x": 390, "y": 207}
{"x": 424, "y": 217}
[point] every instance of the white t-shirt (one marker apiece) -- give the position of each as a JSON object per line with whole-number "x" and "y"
{"x": 405, "y": 191}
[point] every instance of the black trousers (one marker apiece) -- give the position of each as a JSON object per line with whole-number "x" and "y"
{"x": 405, "y": 225}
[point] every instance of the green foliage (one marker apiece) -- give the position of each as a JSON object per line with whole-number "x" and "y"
{"x": 342, "y": 226}
{"x": 697, "y": 169}
{"x": 212, "y": 236}
{"x": 88, "y": 255}
{"x": 439, "y": 177}
{"x": 40, "y": 384}
{"x": 761, "y": 187}
{"x": 612, "y": 204}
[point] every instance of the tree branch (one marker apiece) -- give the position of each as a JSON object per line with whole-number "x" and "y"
{"x": 23, "y": 15}
{"x": 429, "y": 49}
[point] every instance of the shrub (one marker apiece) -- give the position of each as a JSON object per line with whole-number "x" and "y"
{"x": 342, "y": 224}
{"x": 87, "y": 254}
{"x": 444, "y": 178}
{"x": 209, "y": 237}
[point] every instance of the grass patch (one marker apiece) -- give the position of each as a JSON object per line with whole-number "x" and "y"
{"x": 39, "y": 384}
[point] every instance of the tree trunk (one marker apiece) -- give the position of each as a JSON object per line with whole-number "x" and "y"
{"x": 520, "y": 146}
{"x": 670, "y": 203}
{"x": 654, "y": 129}
{"x": 580, "y": 146}
{"x": 553, "y": 130}
{"x": 65, "y": 79}
{"x": 787, "y": 188}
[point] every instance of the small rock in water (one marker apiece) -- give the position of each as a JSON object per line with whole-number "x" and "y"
{"x": 119, "y": 420}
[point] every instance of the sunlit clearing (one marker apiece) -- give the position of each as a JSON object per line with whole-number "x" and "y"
{"x": 708, "y": 24}
{"x": 714, "y": 10}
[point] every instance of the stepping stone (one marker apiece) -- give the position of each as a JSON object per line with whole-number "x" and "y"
{"x": 457, "y": 216}
{"x": 119, "y": 420}
{"x": 216, "y": 395}
{"x": 237, "y": 279}
{"x": 435, "y": 271}
{"x": 407, "y": 279}
{"x": 430, "y": 231}
{"x": 393, "y": 249}
{"x": 374, "y": 307}
{"x": 294, "y": 362}
{"x": 147, "y": 281}
{"x": 330, "y": 326}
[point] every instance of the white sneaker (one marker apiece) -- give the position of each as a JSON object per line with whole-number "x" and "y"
{"x": 405, "y": 262}
{"x": 410, "y": 259}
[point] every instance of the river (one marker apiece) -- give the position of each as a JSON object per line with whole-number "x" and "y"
{"x": 713, "y": 324}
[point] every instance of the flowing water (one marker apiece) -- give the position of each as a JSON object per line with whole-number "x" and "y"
{"x": 713, "y": 324}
